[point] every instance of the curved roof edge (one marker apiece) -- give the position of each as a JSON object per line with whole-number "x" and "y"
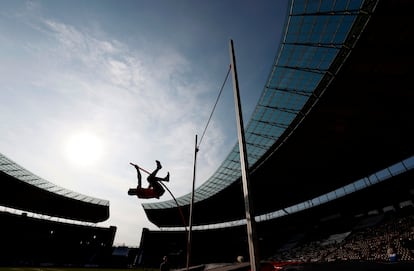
{"x": 284, "y": 102}
{"x": 26, "y": 191}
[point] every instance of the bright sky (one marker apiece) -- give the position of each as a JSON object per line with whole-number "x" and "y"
{"x": 89, "y": 86}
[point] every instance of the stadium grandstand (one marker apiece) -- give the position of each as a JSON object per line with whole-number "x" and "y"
{"x": 329, "y": 146}
{"x": 44, "y": 224}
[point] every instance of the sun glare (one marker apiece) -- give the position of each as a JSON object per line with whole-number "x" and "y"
{"x": 83, "y": 149}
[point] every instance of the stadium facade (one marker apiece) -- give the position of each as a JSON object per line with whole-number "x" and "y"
{"x": 44, "y": 224}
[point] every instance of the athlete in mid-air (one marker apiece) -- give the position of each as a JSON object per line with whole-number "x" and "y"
{"x": 154, "y": 189}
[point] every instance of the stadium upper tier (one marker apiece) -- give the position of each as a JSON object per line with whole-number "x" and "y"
{"x": 25, "y": 191}
{"x": 336, "y": 108}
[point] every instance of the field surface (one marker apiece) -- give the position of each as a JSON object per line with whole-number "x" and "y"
{"x": 71, "y": 269}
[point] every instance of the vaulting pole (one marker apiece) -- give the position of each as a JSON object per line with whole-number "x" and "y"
{"x": 250, "y": 220}
{"x": 178, "y": 205}
{"x": 169, "y": 191}
{"x": 190, "y": 222}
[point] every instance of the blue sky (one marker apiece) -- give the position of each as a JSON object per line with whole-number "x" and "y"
{"x": 89, "y": 86}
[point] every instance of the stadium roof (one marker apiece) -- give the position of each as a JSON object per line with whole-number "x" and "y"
{"x": 25, "y": 191}
{"x": 337, "y": 107}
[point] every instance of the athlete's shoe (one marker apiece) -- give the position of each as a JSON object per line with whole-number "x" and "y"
{"x": 167, "y": 178}
{"x": 158, "y": 164}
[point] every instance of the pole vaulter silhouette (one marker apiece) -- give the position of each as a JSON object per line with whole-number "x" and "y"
{"x": 156, "y": 187}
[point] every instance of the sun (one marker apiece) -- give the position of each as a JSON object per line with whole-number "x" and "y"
{"x": 83, "y": 148}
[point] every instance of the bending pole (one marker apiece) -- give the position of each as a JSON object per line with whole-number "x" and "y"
{"x": 251, "y": 231}
{"x": 143, "y": 169}
{"x": 178, "y": 205}
{"x": 176, "y": 202}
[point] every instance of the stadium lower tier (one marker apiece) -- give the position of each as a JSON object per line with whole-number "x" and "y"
{"x": 371, "y": 237}
{"x": 30, "y": 241}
